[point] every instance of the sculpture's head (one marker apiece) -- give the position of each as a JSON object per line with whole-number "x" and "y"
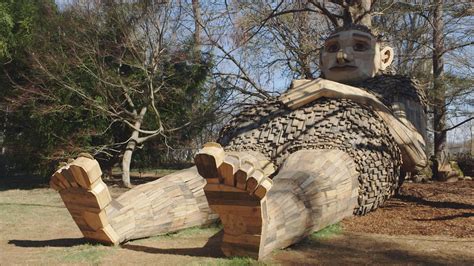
{"x": 353, "y": 53}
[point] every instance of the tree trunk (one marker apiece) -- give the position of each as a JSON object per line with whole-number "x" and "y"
{"x": 127, "y": 159}
{"x": 360, "y": 13}
{"x": 439, "y": 90}
{"x": 4, "y": 132}
{"x": 304, "y": 41}
{"x": 197, "y": 27}
{"x": 357, "y": 12}
{"x": 131, "y": 146}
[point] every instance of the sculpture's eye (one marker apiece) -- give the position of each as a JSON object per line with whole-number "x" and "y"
{"x": 332, "y": 47}
{"x": 361, "y": 46}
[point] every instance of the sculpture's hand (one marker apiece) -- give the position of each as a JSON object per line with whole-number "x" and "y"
{"x": 301, "y": 92}
{"x": 305, "y": 91}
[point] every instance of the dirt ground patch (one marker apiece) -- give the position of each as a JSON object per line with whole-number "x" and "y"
{"x": 428, "y": 224}
{"x": 444, "y": 209}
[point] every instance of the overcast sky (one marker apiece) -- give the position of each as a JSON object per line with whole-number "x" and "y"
{"x": 61, "y": 3}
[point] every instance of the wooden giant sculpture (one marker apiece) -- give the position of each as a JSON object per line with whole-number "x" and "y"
{"x": 324, "y": 150}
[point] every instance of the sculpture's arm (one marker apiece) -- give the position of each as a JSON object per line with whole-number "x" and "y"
{"x": 405, "y": 134}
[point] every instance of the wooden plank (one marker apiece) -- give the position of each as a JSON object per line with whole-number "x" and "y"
{"x": 66, "y": 173}
{"x": 62, "y": 179}
{"x": 228, "y": 168}
{"x": 253, "y": 180}
{"x": 213, "y": 201}
{"x": 55, "y": 183}
{"x": 213, "y": 180}
{"x": 235, "y": 196}
{"x": 105, "y": 235}
{"x": 263, "y": 188}
{"x": 221, "y": 188}
{"x": 246, "y": 170}
{"x": 405, "y": 134}
{"x": 86, "y": 170}
{"x": 208, "y": 159}
{"x": 241, "y": 210}
{"x": 101, "y": 193}
{"x": 83, "y": 200}
{"x": 243, "y": 239}
{"x": 95, "y": 220}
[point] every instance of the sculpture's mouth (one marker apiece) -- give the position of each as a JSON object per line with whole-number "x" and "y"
{"x": 343, "y": 68}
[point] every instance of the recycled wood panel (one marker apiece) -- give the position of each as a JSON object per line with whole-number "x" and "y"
{"x": 169, "y": 204}
{"x": 333, "y": 124}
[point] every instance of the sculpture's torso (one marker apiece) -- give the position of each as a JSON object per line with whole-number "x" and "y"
{"x": 276, "y": 131}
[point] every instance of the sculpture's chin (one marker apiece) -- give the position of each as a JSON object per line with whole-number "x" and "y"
{"x": 348, "y": 77}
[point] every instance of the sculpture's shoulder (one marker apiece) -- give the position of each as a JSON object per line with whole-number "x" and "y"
{"x": 252, "y": 116}
{"x": 260, "y": 108}
{"x": 390, "y": 87}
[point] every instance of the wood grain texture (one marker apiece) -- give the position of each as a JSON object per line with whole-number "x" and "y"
{"x": 313, "y": 189}
{"x": 86, "y": 197}
{"x": 323, "y": 124}
{"x": 338, "y": 150}
{"x": 169, "y": 204}
{"x": 406, "y": 135}
{"x": 174, "y": 202}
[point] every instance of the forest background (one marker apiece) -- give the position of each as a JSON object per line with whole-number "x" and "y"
{"x": 144, "y": 83}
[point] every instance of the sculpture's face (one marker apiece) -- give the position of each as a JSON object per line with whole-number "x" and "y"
{"x": 353, "y": 55}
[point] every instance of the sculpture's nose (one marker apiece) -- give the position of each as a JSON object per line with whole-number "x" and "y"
{"x": 343, "y": 57}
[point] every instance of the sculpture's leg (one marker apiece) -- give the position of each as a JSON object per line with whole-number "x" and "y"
{"x": 237, "y": 185}
{"x": 313, "y": 189}
{"x": 168, "y": 204}
{"x": 171, "y": 203}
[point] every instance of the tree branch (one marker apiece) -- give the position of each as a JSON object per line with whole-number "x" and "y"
{"x": 456, "y": 47}
{"x": 459, "y": 124}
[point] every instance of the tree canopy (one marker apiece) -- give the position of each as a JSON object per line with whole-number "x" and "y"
{"x": 114, "y": 77}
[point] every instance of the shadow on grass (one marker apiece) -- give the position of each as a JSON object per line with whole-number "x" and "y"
{"x": 211, "y": 249}
{"x": 345, "y": 249}
{"x": 60, "y": 242}
{"x": 349, "y": 249}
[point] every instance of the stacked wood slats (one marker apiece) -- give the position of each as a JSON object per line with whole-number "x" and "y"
{"x": 174, "y": 202}
{"x": 404, "y": 95}
{"x": 86, "y": 197}
{"x": 313, "y": 189}
{"x": 329, "y": 152}
{"x": 408, "y": 139}
{"x": 235, "y": 188}
{"x": 326, "y": 124}
{"x": 171, "y": 203}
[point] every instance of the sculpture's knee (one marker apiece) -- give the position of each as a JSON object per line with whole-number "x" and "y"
{"x": 327, "y": 182}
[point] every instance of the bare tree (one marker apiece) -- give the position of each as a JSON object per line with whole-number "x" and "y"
{"x": 117, "y": 61}
{"x": 290, "y": 32}
{"x": 257, "y": 42}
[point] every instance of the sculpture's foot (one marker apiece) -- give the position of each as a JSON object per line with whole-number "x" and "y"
{"x": 237, "y": 185}
{"x": 85, "y": 195}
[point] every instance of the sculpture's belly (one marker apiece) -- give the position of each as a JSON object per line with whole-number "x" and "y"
{"x": 327, "y": 124}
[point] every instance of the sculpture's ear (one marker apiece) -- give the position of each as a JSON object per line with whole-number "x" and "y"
{"x": 386, "y": 57}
